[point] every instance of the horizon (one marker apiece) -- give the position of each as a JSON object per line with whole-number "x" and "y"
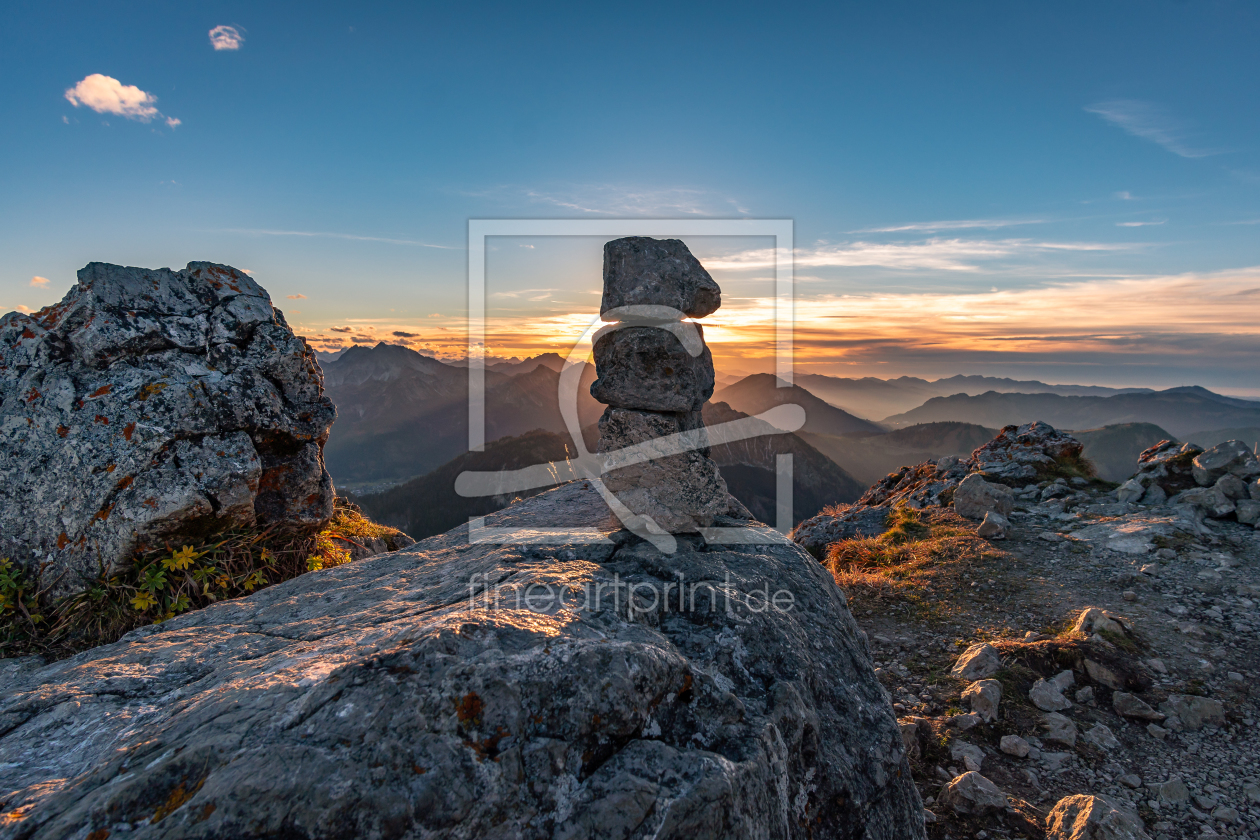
{"x": 1068, "y": 207}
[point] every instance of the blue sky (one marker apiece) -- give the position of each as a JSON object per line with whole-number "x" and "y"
{"x": 1036, "y": 162}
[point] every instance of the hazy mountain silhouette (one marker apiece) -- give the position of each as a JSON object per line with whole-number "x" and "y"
{"x": 759, "y": 392}
{"x": 1178, "y": 410}
{"x": 871, "y": 457}
{"x": 403, "y": 414}
{"x": 873, "y": 398}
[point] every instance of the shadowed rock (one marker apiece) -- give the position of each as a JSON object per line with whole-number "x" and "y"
{"x": 647, "y": 368}
{"x": 376, "y": 699}
{"x": 153, "y": 405}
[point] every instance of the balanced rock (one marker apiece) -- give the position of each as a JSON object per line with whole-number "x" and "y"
{"x": 151, "y": 406}
{"x": 648, "y": 368}
{"x": 641, "y": 271}
{"x": 461, "y": 689}
{"x": 655, "y": 373}
{"x": 681, "y": 492}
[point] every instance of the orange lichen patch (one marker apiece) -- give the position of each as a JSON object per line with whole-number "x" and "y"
{"x": 206, "y": 811}
{"x": 62, "y": 540}
{"x": 151, "y": 502}
{"x": 177, "y": 798}
{"x": 26, "y": 333}
{"x": 469, "y": 708}
{"x": 101, "y": 418}
{"x": 124, "y": 483}
{"x": 62, "y": 431}
{"x": 151, "y": 389}
{"x": 32, "y": 395}
{"x": 103, "y": 513}
{"x": 129, "y": 430}
{"x": 101, "y": 391}
{"x": 99, "y": 834}
{"x": 111, "y": 468}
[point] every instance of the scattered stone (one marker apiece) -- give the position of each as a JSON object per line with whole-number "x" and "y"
{"x": 1168, "y": 465}
{"x": 1014, "y": 745}
{"x": 1233, "y": 487}
{"x": 1248, "y": 511}
{"x": 1232, "y": 457}
{"x": 1084, "y": 817}
{"x": 1093, "y": 620}
{"x": 1172, "y": 792}
{"x": 1103, "y": 675}
{"x": 994, "y": 526}
{"x": 977, "y": 662}
{"x": 1132, "y": 706}
{"x": 1131, "y": 491}
{"x": 153, "y": 406}
{"x": 983, "y": 696}
{"x": 1085, "y": 695}
{"x": 1101, "y": 736}
{"x": 1129, "y": 595}
{"x": 1194, "y": 712}
{"x": 972, "y": 795}
{"x": 970, "y": 755}
{"x": 1059, "y": 729}
{"x": 1130, "y": 780}
{"x": 1047, "y": 695}
{"x": 974, "y": 498}
{"x": 1156, "y": 731}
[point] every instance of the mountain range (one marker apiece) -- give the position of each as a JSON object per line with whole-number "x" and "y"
{"x": 1181, "y": 411}
{"x": 873, "y": 398}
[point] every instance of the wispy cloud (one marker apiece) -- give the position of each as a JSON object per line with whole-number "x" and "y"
{"x": 1150, "y": 122}
{"x": 39, "y": 282}
{"x": 620, "y": 200}
{"x": 935, "y": 254}
{"x": 226, "y": 38}
{"x": 960, "y": 224}
{"x": 25, "y": 310}
{"x": 296, "y": 297}
{"x": 327, "y": 235}
{"x": 1141, "y": 224}
{"x": 106, "y": 95}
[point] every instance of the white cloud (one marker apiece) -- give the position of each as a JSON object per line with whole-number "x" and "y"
{"x": 106, "y": 95}
{"x": 932, "y": 254}
{"x": 39, "y": 282}
{"x": 962, "y": 224}
{"x": 1124, "y": 195}
{"x": 25, "y": 310}
{"x": 296, "y": 297}
{"x": 352, "y": 237}
{"x": 1150, "y": 122}
{"x": 226, "y": 38}
{"x": 1140, "y": 224}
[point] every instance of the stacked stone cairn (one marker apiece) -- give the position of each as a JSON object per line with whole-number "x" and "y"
{"x": 654, "y": 374}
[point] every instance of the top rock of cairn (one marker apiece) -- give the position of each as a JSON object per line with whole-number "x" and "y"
{"x": 641, "y": 271}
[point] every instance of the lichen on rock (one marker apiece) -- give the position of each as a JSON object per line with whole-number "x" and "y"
{"x": 151, "y": 405}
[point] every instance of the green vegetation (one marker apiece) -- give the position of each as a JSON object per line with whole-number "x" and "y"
{"x": 163, "y": 583}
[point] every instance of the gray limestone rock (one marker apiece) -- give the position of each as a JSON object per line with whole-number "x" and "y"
{"x": 1195, "y": 712}
{"x": 1232, "y": 457}
{"x": 975, "y": 497}
{"x": 972, "y": 794}
{"x": 640, "y": 271}
{"x": 682, "y": 492}
{"x": 153, "y": 405}
{"x": 457, "y": 690}
{"x": 647, "y": 368}
{"x": 977, "y": 663}
{"x": 820, "y": 531}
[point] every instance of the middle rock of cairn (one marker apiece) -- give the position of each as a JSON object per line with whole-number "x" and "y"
{"x": 653, "y": 387}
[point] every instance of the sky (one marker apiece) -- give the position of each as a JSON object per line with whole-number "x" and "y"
{"x": 1067, "y": 192}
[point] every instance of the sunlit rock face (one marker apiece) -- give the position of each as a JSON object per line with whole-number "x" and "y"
{"x": 596, "y": 689}
{"x": 154, "y": 405}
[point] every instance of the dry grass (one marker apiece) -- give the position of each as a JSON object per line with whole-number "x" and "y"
{"x": 924, "y": 551}
{"x": 165, "y": 582}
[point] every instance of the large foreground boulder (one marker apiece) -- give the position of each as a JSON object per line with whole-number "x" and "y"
{"x": 151, "y": 406}
{"x": 441, "y": 692}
